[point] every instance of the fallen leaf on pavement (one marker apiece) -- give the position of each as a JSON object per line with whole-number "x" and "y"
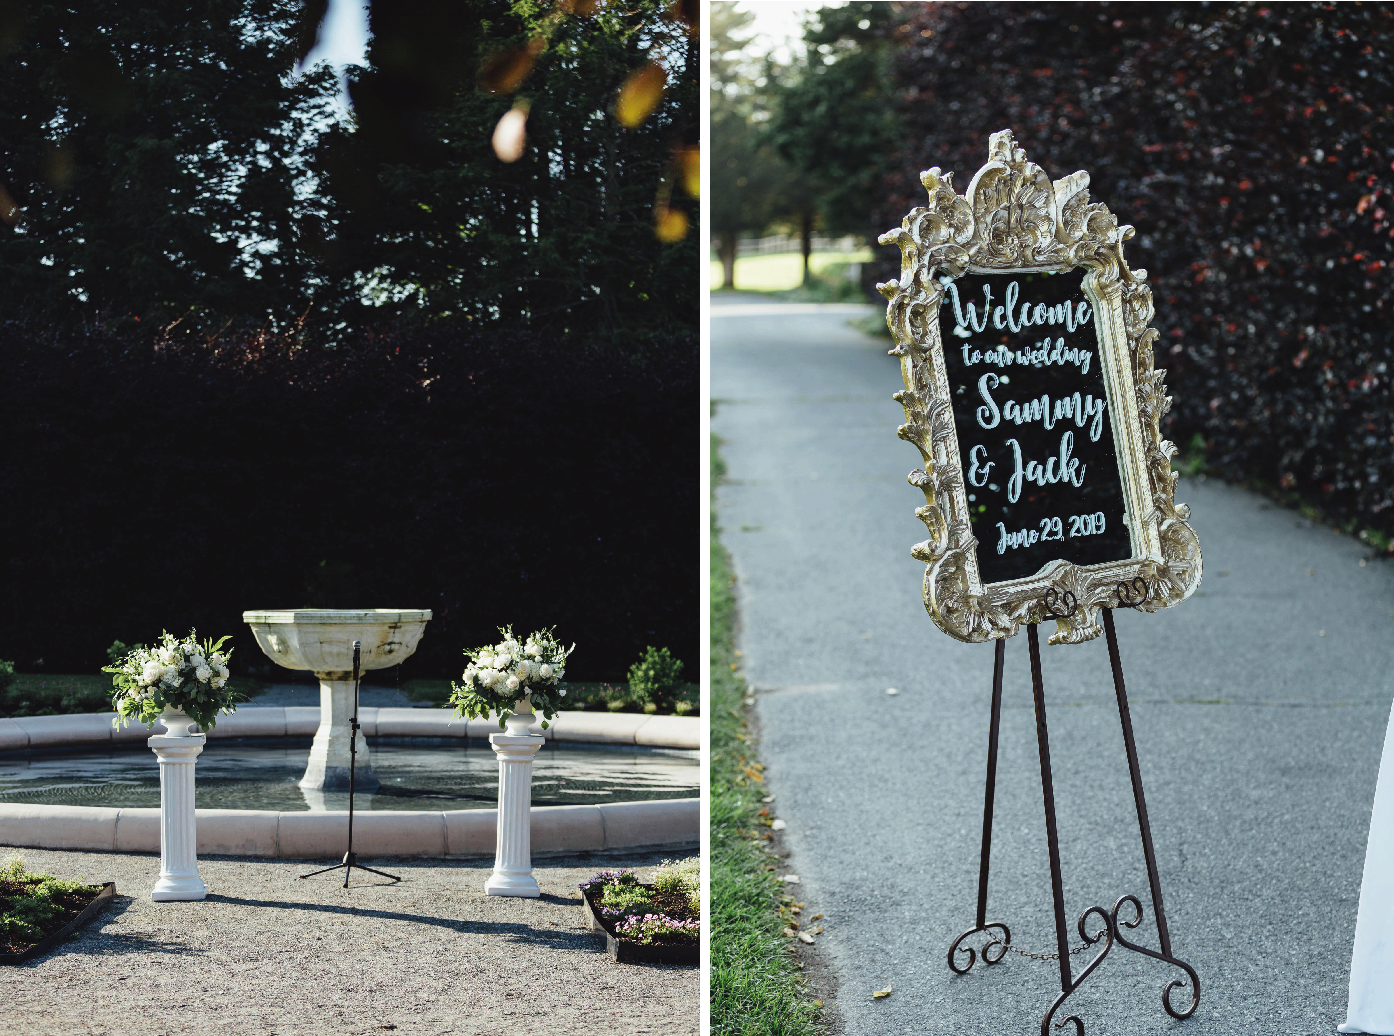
{"x": 805, "y": 937}
{"x": 778, "y": 825}
{"x": 880, "y": 993}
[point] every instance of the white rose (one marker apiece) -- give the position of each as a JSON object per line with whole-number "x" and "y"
{"x": 151, "y": 672}
{"x": 546, "y": 671}
{"x": 222, "y": 671}
{"x": 561, "y": 691}
{"x": 203, "y": 674}
{"x": 220, "y": 681}
{"x": 218, "y": 658}
{"x": 513, "y": 683}
{"x": 486, "y": 660}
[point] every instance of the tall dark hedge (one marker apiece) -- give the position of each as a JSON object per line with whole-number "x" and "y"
{"x": 1251, "y": 146}
{"x": 490, "y": 477}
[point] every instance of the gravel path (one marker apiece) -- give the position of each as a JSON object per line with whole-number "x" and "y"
{"x": 1260, "y": 708}
{"x": 266, "y": 953}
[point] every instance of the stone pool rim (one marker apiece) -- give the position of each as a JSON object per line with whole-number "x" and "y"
{"x": 659, "y": 823}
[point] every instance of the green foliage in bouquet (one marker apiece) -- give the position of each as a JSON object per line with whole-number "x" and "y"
{"x": 498, "y": 675}
{"x": 182, "y": 673}
{"x": 656, "y": 678}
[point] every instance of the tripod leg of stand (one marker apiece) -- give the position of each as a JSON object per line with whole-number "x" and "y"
{"x": 1139, "y": 799}
{"x": 326, "y": 870}
{"x": 370, "y": 870}
{"x": 1057, "y": 889}
{"x": 993, "y": 730}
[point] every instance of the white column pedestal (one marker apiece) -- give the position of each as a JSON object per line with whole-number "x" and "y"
{"x": 513, "y": 850}
{"x": 328, "y": 768}
{"x": 179, "y": 877}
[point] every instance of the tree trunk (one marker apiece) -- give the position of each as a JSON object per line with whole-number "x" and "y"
{"x": 726, "y": 249}
{"x": 806, "y": 240}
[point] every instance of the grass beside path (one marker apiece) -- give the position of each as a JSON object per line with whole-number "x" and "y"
{"x": 756, "y": 987}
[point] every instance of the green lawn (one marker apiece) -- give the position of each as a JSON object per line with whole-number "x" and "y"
{"x": 756, "y": 987}
{"x": 783, "y": 271}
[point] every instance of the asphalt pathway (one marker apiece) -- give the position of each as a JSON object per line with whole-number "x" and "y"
{"x": 1260, "y": 707}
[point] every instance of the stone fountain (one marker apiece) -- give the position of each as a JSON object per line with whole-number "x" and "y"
{"x": 321, "y": 640}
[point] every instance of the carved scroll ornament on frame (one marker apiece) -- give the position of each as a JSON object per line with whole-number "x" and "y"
{"x": 1066, "y": 489}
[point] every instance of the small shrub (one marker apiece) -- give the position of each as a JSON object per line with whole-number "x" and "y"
{"x": 626, "y": 897}
{"x": 681, "y": 878}
{"x": 656, "y": 678}
{"x": 27, "y": 902}
{"x": 7, "y": 675}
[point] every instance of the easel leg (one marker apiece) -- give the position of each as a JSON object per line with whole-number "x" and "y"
{"x": 1136, "y": 774}
{"x": 991, "y": 793}
{"x": 1149, "y": 854}
{"x": 1057, "y": 889}
{"x": 985, "y": 857}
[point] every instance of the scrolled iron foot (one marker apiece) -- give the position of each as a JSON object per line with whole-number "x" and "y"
{"x": 1001, "y": 942}
{"x": 1107, "y": 935}
{"x": 1175, "y": 983}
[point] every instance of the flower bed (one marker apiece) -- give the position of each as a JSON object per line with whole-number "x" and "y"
{"x": 652, "y": 924}
{"x": 38, "y": 911}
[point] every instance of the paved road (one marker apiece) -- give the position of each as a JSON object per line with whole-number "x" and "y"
{"x": 1259, "y": 736}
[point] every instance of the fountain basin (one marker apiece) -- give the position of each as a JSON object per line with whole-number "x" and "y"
{"x": 304, "y": 833}
{"x": 430, "y": 775}
{"x": 321, "y": 640}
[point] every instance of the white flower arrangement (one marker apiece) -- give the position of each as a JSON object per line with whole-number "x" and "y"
{"x": 180, "y": 673}
{"x": 498, "y": 676}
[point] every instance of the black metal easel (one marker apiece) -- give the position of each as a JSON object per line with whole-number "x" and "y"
{"x": 1063, "y": 606}
{"x": 350, "y": 860}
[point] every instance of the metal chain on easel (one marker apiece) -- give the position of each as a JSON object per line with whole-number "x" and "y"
{"x": 1044, "y": 956}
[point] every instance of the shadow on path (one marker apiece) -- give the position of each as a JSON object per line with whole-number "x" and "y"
{"x": 558, "y": 939}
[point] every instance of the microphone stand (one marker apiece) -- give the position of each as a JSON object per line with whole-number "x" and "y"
{"x": 350, "y": 860}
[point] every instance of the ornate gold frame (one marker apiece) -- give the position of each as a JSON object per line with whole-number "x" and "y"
{"x": 1014, "y": 219}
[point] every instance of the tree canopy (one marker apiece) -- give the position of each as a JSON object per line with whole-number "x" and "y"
{"x": 159, "y": 165}
{"x": 154, "y": 161}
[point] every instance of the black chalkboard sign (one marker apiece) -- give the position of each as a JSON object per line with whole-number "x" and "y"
{"x": 1034, "y": 425}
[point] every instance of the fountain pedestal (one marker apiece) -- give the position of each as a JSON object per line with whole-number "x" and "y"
{"x": 179, "y": 877}
{"x": 328, "y": 768}
{"x": 321, "y": 641}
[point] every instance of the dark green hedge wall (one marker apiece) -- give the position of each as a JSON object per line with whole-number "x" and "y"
{"x": 490, "y": 477}
{"x": 1251, "y": 147}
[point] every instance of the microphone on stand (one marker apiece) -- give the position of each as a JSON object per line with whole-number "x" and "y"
{"x": 350, "y": 859}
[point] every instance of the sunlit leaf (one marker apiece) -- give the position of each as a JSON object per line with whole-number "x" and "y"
{"x": 640, "y": 95}
{"x": 505, "y": 70}
{"x": 687, "y": 12}
{"x": 690, "y": 165}
{"x": 881, "y": 993}
{"x": 510, "y": 135}
{"x": 670, "y": 225}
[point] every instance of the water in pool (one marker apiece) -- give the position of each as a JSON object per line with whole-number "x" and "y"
{"x": 262, "y": 774}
